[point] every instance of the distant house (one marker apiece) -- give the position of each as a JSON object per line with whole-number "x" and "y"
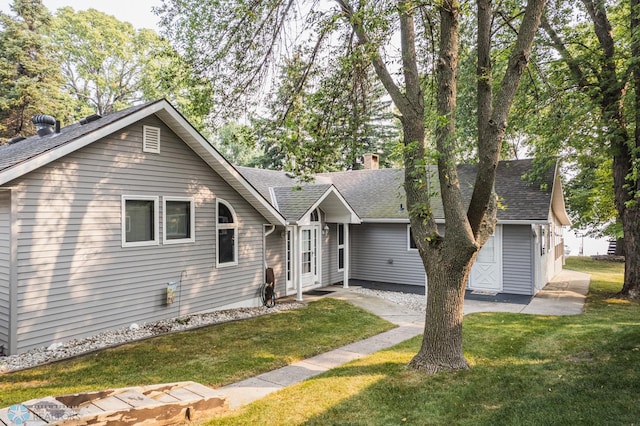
{"x": 101, "y": 220}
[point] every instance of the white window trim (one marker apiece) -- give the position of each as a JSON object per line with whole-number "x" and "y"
{"x": 341, "y": 246}
{"x": 156, "y": 239}
{"x": 234, "y": 226}
{"x": 409, "y": 248}
{"x": 192, "y": 221}
{"x": 145, "y": 146}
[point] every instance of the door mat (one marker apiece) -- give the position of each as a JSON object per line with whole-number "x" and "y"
{"x": 317, "y": 292}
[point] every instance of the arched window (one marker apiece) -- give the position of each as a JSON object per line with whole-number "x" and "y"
{"x": 227, "y": 241}
{"x": 315, "y": 216}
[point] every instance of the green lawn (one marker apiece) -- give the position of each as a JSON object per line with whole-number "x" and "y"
{"x": 525, "y": 370}
{"x": 213, "y": 356}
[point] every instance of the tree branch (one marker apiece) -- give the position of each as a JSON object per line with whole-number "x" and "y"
{"x": 398, "y": 98}
{"x": 558, "y": 44}
{"x": 491, "y": 132}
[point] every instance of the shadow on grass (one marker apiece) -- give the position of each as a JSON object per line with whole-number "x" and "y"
{"x": 534, "y": 371}
{"x": 593, "y": 379}
{"x": 213, "y": 355}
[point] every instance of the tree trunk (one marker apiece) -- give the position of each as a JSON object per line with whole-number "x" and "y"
{"x": 631, "y": 219}
{"x": 447, "y": 269}
{"x": 441, "y": 348}
{"x": 631, "y": 213}
{"x": 622, "y": 145}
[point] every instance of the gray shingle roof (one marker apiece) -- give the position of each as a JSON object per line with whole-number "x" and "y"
{"x": 32, "y": 153}
{"x": 373, "y": 194}
{"x": 295, "y": 202}
{"x": 379, "y": 194}
{"x": 14, "y": 154}
{"x": 262, "y": 179}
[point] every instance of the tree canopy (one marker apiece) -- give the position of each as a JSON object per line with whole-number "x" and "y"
{"x": 582, "y": 103}
{"x": 30, "y": 80}
{"x": 414, "y": 50}
{"x": 74, "y": 64}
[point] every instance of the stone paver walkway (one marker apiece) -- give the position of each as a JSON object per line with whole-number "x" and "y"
{"x": 564, "y": 295}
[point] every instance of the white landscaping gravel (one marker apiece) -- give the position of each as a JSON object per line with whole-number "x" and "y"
{"x": 107, "y": 339}
{"x": 415, "y": 302}
{"x": 61, "y": 350}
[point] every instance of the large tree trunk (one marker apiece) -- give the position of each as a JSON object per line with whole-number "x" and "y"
{"x": 631, "y": 214}
{"x": 631, "y": 286}
{"x": 442, "y": 341}
{"x": 448, "y": 260}
{"x": 622, "y": 145}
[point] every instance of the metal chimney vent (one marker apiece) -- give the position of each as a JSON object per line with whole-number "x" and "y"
{"x": 45, "y": 124}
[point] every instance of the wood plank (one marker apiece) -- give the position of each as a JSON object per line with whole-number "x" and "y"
{"x": 89, "y": 409}
{"x": 165, "y": 414}
{"x": 4, "y": 417}
{"x": 202, "y": 390}
{"x": 111, "y": 404}
{"x": 78, "y": 399}
{"x": 164, "y": 397}
{"x": 184, "y": 395}
{"x": 50, "y": 409}
{"x": 136, "y": 399}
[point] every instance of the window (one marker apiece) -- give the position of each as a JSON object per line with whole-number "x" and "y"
{"x": 307, "y": 251}
{"x": 315, "y": 216}
{"x": 139, "y": 221}
{"x": 411, "y": 243}
{"x": 151, "y": 139}
{"x": 179, "y": 220}
{"x": 227, "y": 241}
{"x": 340, "y": 247}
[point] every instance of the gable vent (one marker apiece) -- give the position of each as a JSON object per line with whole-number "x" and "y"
{"x": 151, "y": 139}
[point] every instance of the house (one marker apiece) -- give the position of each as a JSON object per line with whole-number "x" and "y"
{"x": 135, "y": 217}
{"x": 96, "y": 221}
{"x": 373, "y": 243}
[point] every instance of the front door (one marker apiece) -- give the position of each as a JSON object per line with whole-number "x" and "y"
{"x": 309, "y": 258}
{"x": 486, "y": 273}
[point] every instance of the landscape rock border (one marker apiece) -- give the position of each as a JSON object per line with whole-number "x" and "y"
{"x": 134, "y": 332}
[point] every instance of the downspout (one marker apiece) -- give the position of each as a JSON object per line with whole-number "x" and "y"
{"x": 13, "y": 275}
{"x": 264, "y": 244}
{"x": 269, "y": 232}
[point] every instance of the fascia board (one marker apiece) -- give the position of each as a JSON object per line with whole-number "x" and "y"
{"x": 47, "y": 157}
{"x": 355, "y": 219}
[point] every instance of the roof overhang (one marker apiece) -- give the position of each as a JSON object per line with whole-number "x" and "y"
{"x": 557, "y": 201}
{"x": 335, "y": 208}
{"x": 183, "y": 129}
{"x": 441, "y": 221}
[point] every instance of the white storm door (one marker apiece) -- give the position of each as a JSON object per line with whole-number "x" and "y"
{"x": 486, "y": 273}
{"x": 309, "y": 259}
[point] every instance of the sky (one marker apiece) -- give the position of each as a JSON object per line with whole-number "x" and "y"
{"x": 137, "y": 12}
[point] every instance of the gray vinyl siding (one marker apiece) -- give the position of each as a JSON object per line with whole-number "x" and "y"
{"x": 517, "y": 259}
{"x": 75, "y": 278}
{"x": 5, "y": 267}
{"x": 330, "y": 273}
{"x": 379, "y": 253}
{"x": 275, "y": 258}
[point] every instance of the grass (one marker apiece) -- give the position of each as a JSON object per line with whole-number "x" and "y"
{"x": 525, "y": 370}
{"x": 213, "y": 356}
